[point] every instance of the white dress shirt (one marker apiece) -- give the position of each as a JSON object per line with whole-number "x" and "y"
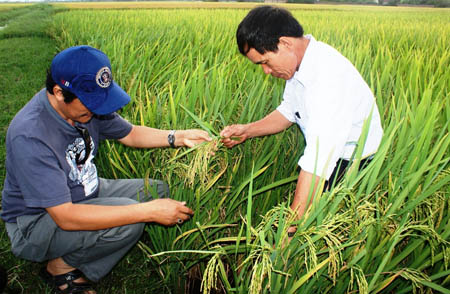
{"x": 329, "y": 100}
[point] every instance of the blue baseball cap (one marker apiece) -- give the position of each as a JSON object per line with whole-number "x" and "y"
{"x": 86, "y": 72}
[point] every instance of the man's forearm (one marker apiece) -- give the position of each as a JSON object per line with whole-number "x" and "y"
{"x": 273, "y": 123}
{"x": 303, "y": 192}
{"x": 165, "y": 211}
{"x": 145, "y": 137}
{"x": 72, "y": 217}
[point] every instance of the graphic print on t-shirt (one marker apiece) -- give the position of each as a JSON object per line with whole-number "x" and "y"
{"x": 85, "y": 174}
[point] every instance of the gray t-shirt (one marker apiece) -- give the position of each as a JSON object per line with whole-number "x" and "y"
{"x": 41, "y": 158}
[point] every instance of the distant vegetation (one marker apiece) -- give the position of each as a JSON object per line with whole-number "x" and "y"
{"x": 433, "y": 3}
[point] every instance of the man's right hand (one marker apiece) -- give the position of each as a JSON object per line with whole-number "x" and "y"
{"x": 169, "y": 212}
{"x": 271, "y": 124}
{"x": 233, "y": 135}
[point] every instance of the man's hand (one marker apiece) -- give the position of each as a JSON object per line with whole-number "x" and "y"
{"x": 273, "y": 123}
{"x": 190, "y": 138}
{"x": 233, "y": 135}
{"x": 168, "y": 212}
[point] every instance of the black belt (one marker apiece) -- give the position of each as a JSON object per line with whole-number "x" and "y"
{"x": 341, "y": 168}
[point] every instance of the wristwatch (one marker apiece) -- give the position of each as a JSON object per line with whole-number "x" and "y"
{"x": 171, "y": 138}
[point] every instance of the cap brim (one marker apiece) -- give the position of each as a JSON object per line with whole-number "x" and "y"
{"x": 115, "y": 100}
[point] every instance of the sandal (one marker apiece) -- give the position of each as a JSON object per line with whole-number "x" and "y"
{"x": 66, "y": 279}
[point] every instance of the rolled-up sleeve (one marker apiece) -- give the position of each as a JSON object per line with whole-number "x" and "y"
{"x": 288, "y": 104}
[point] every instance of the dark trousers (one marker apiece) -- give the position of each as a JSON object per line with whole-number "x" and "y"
{"x": 38, "y": 238}
{"x": 339, "y": 171}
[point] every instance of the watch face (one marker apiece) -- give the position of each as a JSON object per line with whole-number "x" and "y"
{"x": 171, "y": 139}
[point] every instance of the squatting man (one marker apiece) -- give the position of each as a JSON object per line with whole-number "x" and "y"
{"x": 324, "y": 95}
{"x": 55, "y": 206}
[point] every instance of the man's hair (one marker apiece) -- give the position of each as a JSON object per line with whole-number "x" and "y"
{"x": 262, "y": 28}
{"x": 50, "y": 83}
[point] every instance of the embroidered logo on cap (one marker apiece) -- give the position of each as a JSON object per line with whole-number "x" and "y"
{"x": 104, "y": 77}
{"x": 66, "y": 83}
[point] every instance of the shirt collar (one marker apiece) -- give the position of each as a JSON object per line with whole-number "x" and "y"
{"x": 307, "y": 64}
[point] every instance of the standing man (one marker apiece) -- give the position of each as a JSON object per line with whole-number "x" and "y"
{"x": 55, "y": 206}
{"x": 324, "y": 95}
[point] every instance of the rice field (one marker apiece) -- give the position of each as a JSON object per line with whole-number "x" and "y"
{"x": 7, "y": 6}
{"x": 385, "y": 229}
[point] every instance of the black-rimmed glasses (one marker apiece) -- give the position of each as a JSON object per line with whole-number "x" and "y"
{"x": 81, "y": 157}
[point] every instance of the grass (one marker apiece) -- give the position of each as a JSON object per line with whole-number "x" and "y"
{"x": 21, "y": 22}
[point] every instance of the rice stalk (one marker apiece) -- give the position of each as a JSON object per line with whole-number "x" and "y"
{"x": 209, "y": 280}
{"x": 262, "y": 269}
{"x": 415, "y": 277}
{"x": 357, "y": 273}
{"x": 198, "y": 170}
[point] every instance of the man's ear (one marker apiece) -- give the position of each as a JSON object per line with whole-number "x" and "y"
{"x": 57, "y": 92}
{"x": 285, "y": 41}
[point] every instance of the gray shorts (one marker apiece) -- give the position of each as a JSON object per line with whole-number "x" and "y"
{"x": 95, "y": 253}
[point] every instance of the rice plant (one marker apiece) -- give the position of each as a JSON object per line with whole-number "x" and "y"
{"x": 385, "y": 229}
